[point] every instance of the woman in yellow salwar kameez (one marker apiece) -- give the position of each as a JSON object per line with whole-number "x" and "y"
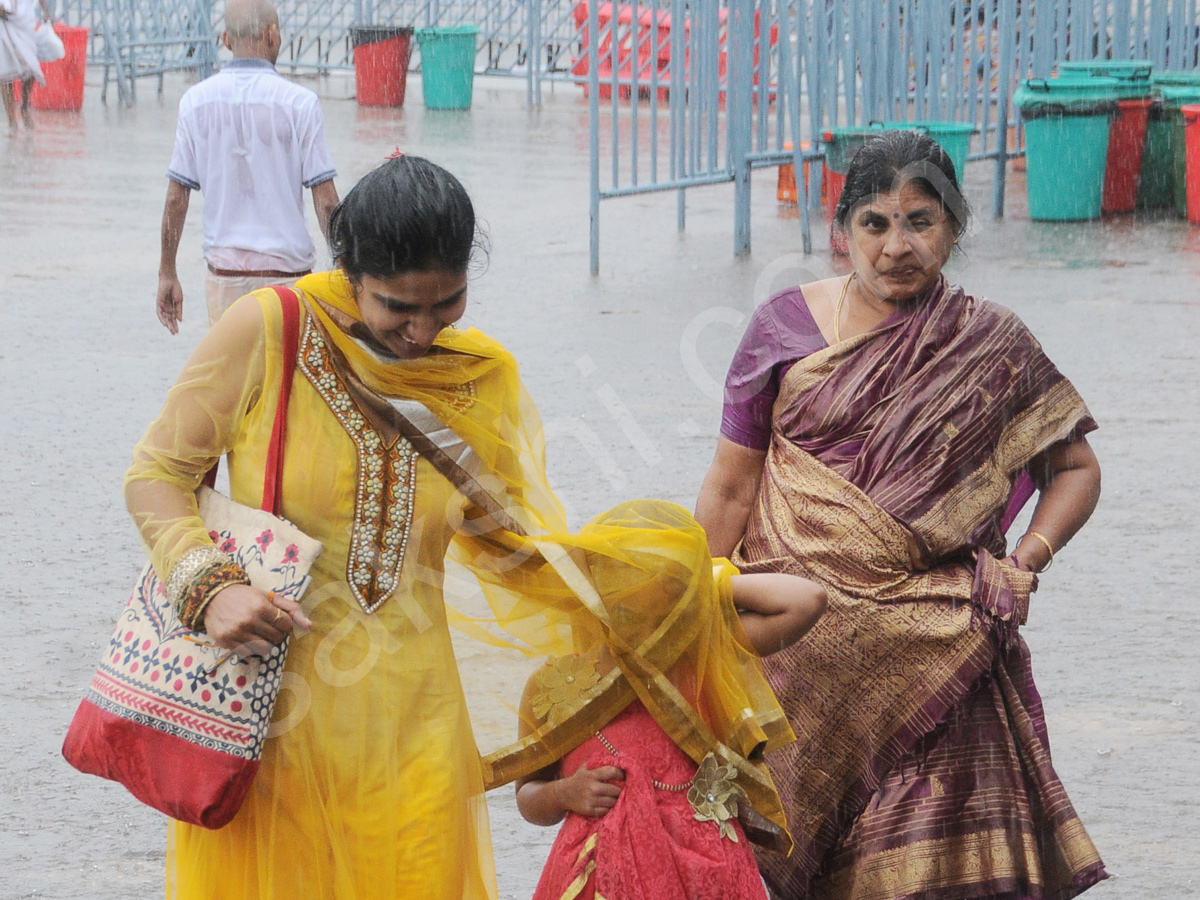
{"x": 371, "y": 784}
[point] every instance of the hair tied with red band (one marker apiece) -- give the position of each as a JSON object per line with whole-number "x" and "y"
{"x": 395, "y": 153}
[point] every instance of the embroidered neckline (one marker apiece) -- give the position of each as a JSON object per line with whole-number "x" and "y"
{"x": 386, "y": 483}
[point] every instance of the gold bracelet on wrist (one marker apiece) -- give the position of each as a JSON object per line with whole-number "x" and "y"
{"x": 191, "y": 565}
{"x": 207, "y": 586}
{"x": 1049, "y": 547}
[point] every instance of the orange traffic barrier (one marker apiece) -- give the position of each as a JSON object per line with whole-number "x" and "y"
{"x": 785, "y": 187}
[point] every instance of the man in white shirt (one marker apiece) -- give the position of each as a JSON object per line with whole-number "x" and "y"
{"x": 252, "y": 141}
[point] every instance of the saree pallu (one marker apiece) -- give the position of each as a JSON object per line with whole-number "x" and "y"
{"x": 922, "y": 767}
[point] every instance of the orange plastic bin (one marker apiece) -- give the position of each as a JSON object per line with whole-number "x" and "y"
{"x": 1191, "y": 137}
{"x": 380, "y": 63}
{"x": 64, "y": 77}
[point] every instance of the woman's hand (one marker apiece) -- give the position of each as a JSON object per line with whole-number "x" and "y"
{"x": 590, "y": 792}
{"x": 248, "y": 621}
{"x": 1014, "y": 562}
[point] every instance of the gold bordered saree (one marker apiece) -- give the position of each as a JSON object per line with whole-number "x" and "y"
{"x": 371, "y": 784}
{"x": 921, "y": 767}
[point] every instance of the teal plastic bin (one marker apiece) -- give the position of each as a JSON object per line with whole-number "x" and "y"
{"x": 1066, "y": 145}
{"x": 842, "y": 143}
{"x": 1160, "y": 80}
{"x": 1130, "y": 82}
{"x": 1132, "y": 75}
{"x": 447, "y": 65}
{"x": 954, "y": 138}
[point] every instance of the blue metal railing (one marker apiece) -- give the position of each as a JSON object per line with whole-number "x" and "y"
{"x": 688, "y": 93}
{"x": 819, "y": 64}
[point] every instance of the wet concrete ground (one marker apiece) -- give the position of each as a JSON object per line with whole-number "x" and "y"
{"x": 625, "y": 368}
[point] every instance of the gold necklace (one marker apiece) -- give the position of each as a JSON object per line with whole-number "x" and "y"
{"x": 837, "y": 310}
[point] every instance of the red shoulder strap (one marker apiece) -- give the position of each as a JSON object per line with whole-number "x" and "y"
{"x": 273, "y": 476}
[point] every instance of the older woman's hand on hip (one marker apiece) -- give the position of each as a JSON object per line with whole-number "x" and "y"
{"x": 248, "y": 621}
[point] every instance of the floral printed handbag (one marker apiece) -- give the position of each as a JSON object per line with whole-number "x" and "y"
{"x": 172, "y": 716}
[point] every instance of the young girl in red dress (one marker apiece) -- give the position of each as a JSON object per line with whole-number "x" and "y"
{"x": 643, "y": 821}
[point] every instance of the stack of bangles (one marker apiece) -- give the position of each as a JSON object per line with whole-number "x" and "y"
{"x": 1049, "y": 549}
{"x": 200, "y": 575}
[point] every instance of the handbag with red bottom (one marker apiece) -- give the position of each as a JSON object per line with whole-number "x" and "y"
{"x": 173, "y": 717}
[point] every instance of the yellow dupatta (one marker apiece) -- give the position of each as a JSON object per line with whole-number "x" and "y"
{"x": 635, "y": 585}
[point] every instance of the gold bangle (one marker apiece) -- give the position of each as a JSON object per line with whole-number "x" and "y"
{"x": 1049, "y": 548}
{"x": 204, "y": 588}
{"x": 190, "y": 567}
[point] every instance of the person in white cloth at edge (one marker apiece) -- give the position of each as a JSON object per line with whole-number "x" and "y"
{"x": 18, "y": 56}
{"x": 251, "y": 141}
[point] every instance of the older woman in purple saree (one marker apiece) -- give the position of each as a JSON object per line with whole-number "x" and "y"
{"x": 879, "y": 432}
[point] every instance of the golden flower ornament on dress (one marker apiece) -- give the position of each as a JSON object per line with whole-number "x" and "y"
{"x": 561, "y": 685}
{"x": 714, "y": 796}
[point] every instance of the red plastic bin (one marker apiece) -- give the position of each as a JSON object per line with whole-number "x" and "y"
{"x": 64, "y": 77}
{"x": 1126, "y": 141}
{"x": 380, "y": 63}
{"x": 1191, "y": 137}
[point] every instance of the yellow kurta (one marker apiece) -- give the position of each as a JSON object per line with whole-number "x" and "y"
{"x": 370, "y": 786}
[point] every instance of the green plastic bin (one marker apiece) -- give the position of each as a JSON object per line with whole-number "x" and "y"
{"x": 447, "y": 65}
{"x": 1066, "y": 145}
{"x": 1157, "y": 180}
{"x": 1176, "y": 89}
{"x": 841, "y": 144}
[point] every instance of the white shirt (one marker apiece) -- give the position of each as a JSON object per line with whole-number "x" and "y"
{"x": 252, "y": 141}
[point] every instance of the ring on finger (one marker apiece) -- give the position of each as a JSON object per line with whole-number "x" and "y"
{"x": 278, "y": 613}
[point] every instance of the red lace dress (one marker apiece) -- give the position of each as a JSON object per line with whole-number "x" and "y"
{"x": 649, "y": 846}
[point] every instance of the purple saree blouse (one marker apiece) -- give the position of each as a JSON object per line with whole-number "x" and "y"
{"x": 780, "y": 332}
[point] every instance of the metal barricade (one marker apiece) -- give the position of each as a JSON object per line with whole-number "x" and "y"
{"x": 811, "y": 65}
{"x": 137, "y": 38}
{"x": 713, "y": 86}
